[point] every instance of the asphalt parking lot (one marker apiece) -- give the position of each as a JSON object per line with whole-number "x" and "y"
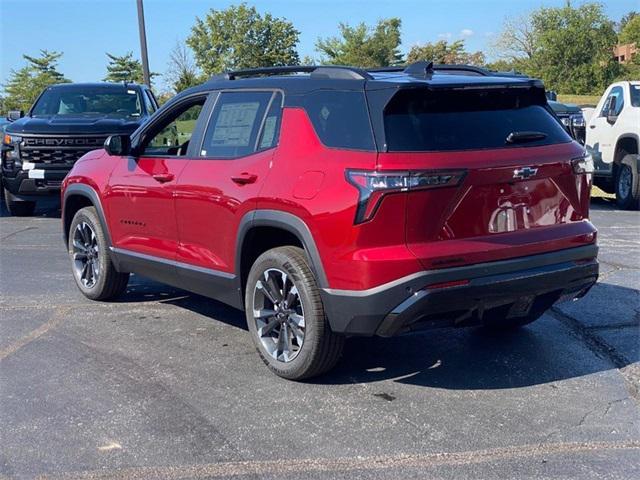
{"x": 164, "y": 384}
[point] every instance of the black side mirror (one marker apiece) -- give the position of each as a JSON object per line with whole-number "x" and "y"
{"x": 611, "y": 111}
{"x": 118, "y": 145}
{"x": 552, "y": 95}
{"x": 14, "y": 115}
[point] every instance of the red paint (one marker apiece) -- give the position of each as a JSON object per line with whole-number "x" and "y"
{"x": 194, "y": 216}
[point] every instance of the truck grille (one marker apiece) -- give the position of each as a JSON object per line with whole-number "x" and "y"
{"x": 58, "y": 150}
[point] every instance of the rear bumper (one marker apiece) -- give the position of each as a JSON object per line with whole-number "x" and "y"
{"x": 489, "y": 289}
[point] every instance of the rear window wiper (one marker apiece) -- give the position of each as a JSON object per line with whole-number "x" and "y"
{"x": 523, "y": 137}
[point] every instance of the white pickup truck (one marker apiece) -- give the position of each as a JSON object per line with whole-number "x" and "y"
{"x": 612, "y": 138}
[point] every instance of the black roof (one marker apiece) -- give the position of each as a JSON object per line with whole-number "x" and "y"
{"x": 302, "y": 79}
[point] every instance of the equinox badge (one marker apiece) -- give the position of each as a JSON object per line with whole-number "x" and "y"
{"x": 524, "y": 173}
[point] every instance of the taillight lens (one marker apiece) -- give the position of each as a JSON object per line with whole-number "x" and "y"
{"x": 373, "y": 185}
{"x": 583, "y": 164}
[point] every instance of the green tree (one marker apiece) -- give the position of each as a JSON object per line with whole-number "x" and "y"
{"x": 444, "y": 52}
{"x": 363, "y": 46}
{"x": 182, "y": 72}
{"x": 25, "y": 84}
{"x": 240, "y": 37}
{"x": 569, "y": 47}
{"x": 574, "y": 48}
{"x": 627, "y": 18}
{"x": 124, "y": 68}
{"x": 630, "y": 33}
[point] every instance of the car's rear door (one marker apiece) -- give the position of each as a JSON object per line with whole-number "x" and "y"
{"x": 221, "y": 184}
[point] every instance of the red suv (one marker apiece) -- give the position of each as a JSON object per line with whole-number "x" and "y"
{"x": 332, "y": 201}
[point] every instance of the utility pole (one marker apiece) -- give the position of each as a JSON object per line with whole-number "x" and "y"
{"x": 143, "y": 44}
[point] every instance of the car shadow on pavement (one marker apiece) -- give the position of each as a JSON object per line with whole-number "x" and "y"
{"x": 141, "y": 289}
{"x": 466, "y": 359}
{"x": 48, "y": 207}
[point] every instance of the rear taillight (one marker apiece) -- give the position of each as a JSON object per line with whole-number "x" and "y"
{"x": 582, "y": 164}
{"x": 373, "y": 186}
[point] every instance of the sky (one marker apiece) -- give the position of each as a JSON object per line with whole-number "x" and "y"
{"x": 85, "y": 29}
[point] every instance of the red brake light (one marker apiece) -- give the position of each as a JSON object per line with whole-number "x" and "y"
{"x": 373, "y": 185}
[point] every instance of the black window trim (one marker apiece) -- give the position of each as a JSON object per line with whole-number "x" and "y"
{"x": 161, "y": 117}
{"x": 218, "y": 93}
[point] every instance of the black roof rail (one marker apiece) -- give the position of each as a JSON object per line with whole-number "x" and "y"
{"x": 336, "y": 72}
{"x": 418, "y": 68}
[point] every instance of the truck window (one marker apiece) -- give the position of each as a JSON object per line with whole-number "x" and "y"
{"x": 424, "y": 120}
{"x": 618, "y": 94}
{"x": 87, "y": 101}
{"x": 635, "y": 95}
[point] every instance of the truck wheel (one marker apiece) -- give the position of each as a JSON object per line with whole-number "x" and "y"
{"x": 286, "y": 318}
{"x": 93, "y": 270}
{"x": 627, "y": 185}
{"x": 18, "y": 209}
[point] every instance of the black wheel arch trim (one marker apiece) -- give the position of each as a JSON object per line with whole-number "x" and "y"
{"x": 286, "y": 221}
{"x": 83, "y": 190}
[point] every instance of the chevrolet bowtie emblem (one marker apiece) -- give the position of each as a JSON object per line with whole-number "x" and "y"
{"x": 524, "y": 173}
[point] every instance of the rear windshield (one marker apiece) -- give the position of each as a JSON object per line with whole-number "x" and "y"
{"x": 423, "y": 120}
{"x": 90, "y": 101}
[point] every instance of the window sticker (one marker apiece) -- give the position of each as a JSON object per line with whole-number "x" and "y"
{"x": 234, "y": 125}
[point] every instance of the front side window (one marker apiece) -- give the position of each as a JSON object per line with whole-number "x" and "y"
{"x": 423, "y": 120}
{"x": 616, "y": 95}
{"x": 172, "y": 135}
{"x": 235, "y": 124}
{"x": 89, "y": 101}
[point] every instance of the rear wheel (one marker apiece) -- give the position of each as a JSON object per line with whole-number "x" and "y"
{"x": 286, "y": 318}
{"x": 93, "y": 270}
{"x": 627, "y": 185}
{"x": 18, "y": 209}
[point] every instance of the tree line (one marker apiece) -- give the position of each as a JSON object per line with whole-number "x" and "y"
{"x": 568, "y": 47}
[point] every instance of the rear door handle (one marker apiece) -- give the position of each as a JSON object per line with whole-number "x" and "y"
{"x": 592, "y": 126}
{"x": 163, "y": 177}
{"x": 244, "y": 178}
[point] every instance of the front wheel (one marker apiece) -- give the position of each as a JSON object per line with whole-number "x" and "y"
{"x": 93, "y": 270}
{"x": 286, "y": 318}
{"x": 627, "y": 185}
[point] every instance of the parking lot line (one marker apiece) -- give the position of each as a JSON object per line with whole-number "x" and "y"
{"x": 293, "y": 466}
{"x": 58, "y": 316}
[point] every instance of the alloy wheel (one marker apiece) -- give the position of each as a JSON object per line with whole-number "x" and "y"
{"x": 86, "y": 260}
{"x": 624, "y": 181}
{"x": 279, "y": 315}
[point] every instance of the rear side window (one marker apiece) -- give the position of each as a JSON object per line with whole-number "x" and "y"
{"x": 423, "y": 120}
{"x": 340, "y": 119}
{"x": 235, "y": 124}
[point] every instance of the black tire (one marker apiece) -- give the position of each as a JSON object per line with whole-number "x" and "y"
{"x": 108, "y": 283}
{"x": 627, "y": 185}
{"x": 321, "y": 348}
{"x": 18, "y": 209}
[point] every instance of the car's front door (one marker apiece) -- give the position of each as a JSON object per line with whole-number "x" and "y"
{"x": 140, "y": 198}
{"x": 218, "y": 187}
{"x": 601, "y": 136}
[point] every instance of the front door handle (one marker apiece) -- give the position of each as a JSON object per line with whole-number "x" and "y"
{"x": 163, "y": 177}
{"x": 592, "y": 126}
{"x": 244, "y": 178}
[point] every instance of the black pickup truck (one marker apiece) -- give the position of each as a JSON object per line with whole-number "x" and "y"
{"x": 64, "y": 123}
